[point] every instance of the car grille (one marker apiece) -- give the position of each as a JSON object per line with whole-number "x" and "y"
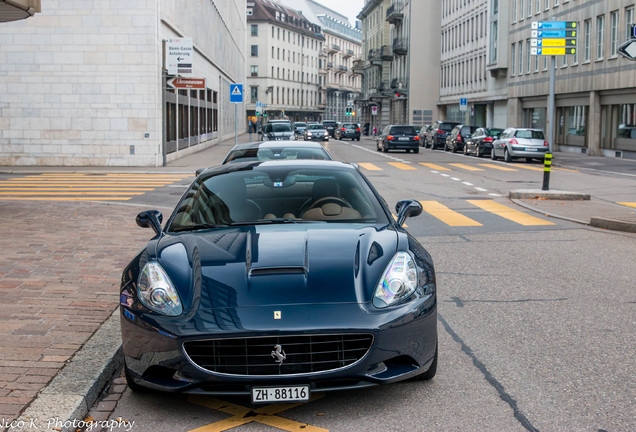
{"x": 257, "y": 356}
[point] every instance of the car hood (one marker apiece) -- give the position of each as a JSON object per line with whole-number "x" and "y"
{"x": 277, "y": 264}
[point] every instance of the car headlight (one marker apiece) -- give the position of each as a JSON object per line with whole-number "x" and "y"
{"x": 398, "y": 282}
{"x": 156, "y": 291}
{"x": 308, "y": 133}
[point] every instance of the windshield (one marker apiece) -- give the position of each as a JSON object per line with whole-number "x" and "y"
{"x": 278, "y": 127}
{"x": 494, "y": 132}
{"x": 447, "y": 126}
{"x": 277, "y": 193}
{"x": 316, "y": 126}
{"x": 529, "y": 134}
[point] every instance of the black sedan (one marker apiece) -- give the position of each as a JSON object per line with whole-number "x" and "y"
{"x": 399, "y": 137}
{"x": 315, "y": 132}
{"x": 275, "y": 280}
{"x": 480, "y": 142}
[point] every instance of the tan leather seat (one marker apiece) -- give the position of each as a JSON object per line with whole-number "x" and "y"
{"x": 331, "y": 211}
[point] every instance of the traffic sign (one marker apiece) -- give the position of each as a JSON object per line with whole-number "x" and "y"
{"x": 633, "y": 32}
{"x": 178, "y": 54}
{"x": 553, "y": 25}
{"x": 628, "y": 49}
{"x": 186, "y": 83}
{"x": 553, "y": 33}
{"x": 463, "y": 104}
{"x": 374, "y": 110}
{"x": 552, "y": 42}
{"x": 236, "y": 93}
{"x": 552, "y": 51}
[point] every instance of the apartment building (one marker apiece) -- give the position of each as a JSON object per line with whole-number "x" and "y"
{"x": 85, "y": 84}
{"x": 595, "y": 88}
{"x": 338, "y": 84}
{"x": 283, "y": 62}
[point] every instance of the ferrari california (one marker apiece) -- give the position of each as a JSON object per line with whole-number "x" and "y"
{"x": 276, "y": 279}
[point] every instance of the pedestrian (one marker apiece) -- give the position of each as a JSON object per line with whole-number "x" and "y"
{"x": 375, "y": 131}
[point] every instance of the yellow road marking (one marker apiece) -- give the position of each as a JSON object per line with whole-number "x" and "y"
{"x": 435, "y": 166}
{"x": 466, "y": 167}
{"x": 564, "y": 169}
{"x": 508, "y": 213}
{"x": 402, "y": 166}
{"x": 370, "y": 166}
{"x": 60, "y": 192}
{"x": 628, "y": 204}
{"x": 73, "y": 189}
{"x": 66, "y": 198}
{"x": 533, "y": 168}
{"x": 498, "y": 167}
{"x": 446, "y": 215}
{"x": 242, "y": 415}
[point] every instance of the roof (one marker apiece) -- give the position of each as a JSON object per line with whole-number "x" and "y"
{"x": 274, "y": 12}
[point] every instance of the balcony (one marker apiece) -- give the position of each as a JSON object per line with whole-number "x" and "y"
{"x": 400, "y": 46}
{"x": 398, "y": 85}
{"x": 358, "y": 65}
{"x": 385, "y": 53}
{"x": 335, "y": 47}
{"x": 348, "y": 53}
{"x": 329, "y": 65}
{"x": 394, "y": 14}
{"x": 342, "y": 68}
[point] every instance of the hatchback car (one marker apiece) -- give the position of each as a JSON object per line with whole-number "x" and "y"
{"x": 480, "y": 142}
{"x": 457, "y": 137}
{"x": 437, "y": 135}
{"x": 347, "y": 130}
{"x": 398, "y": 137}
{"x": 517, "y": 142}
{"x": 277, "y": 130}
{"x": 268, "y": 150}
{"x": 330, "y": 125}
{"x": 315, "y": 132}
{"x": 213, "y": 304}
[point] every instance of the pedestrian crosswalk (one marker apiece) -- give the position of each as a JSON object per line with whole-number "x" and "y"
{"x": 474, "y": 167}
{"x": 78, "y": 186}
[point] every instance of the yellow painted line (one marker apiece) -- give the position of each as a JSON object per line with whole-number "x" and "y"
{"x": 466, "y": 167}
{"x": 370, "y": 166}
{"x": 446, "y": 215}
{"x": 395, "y": 218}
{"x": 66, "y": 198}
{"x": 71, "y": 188}
{"x": 498, "y": 167}
{"x": 101, "y": 184}
{"x": 628, "y": 204}
{"x": 71, "y": 193}
{"x": 508, "y": 213}
{"x": 107, "y": 175}
{"x": 564, "y": 169}
{"x": 533, "y": 168}
{"x": 402, "y": 166}
{"x": 435, "y": 166}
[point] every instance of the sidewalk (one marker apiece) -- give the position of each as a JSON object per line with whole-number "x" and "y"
{"x": 59, "y": 281}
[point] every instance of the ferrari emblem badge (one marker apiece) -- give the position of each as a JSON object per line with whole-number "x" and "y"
{"x": 278, "y": 315}
{"x": 278, "y": 354}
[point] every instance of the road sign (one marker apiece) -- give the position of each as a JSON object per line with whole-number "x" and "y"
{"x": 187, "y": 83}
{"x": 259, "y": 108}
{"x": 463, "y": 104}
{"x": 553, "y": 25}
{"x": 633, "y": 32}
{"x": 552, "y": 42}
{"x": 553, "y": 33}
{"x": 236, "y": 93}
{"x": 552, "y": 51}
{"x": 178, "y": 52}
{"x": 374, "y": 110}
{"x": 628, "y": 49}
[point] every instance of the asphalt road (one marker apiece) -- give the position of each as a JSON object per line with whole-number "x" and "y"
{"x": 536, "y": 315}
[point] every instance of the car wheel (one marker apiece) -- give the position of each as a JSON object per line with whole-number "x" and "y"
{"x": 384, "y": 148}
{"x": 377, "y": 146}
{"x": 358, "y": 138}
{"x": 416, "y": 150}
{"x": 453, "y": 148}
{"x": 492, "y": 154}
{"x": 465, "y": 150}
{"x": 477, "y": 151}
{"x": 529, "y": 160}
{"x": 507, "y": 156}
{"x": 432, "y": 369}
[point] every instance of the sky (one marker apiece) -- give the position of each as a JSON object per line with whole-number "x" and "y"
{"x": 349, "y": 8}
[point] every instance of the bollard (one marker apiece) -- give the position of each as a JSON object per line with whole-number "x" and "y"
{"x": 547, "y": 164}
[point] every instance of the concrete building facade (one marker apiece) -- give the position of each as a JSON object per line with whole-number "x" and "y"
{"x": 283, "y": 62}
{"x": 595, "y": 88}
{"x": 82, "y": 82}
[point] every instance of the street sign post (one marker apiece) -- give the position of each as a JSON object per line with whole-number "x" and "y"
{"x": 186, "y": 83}
{"x": 179, "y": 55}
{"x": 236, "y": 97}
{"x": 463, "y": 104}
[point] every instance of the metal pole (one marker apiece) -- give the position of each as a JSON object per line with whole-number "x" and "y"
{"x": 547, "y": 165}
{"x": 164, "y": 117}
{"x": 235, "y": 124}
{"x": 551, "y": 105}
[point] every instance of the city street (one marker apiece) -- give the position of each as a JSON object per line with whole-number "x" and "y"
{"x": 536, "y": 314}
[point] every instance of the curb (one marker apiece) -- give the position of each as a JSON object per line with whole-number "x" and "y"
{"x": 554, "y": 215}
{"x": 549, "y": 194}
{"x": 62, "y": 404}
{"x": 613, "y": 224}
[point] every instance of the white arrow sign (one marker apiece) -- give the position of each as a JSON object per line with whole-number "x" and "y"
{"x": 628, "y": 49}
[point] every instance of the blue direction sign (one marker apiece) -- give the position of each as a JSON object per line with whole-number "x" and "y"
{"x": 553, "y": 33}
{"x": 633, "y": 33}
{"x": 553, "y": 25}
{"x": 236, "y": 93}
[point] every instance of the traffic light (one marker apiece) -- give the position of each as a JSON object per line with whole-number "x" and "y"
{"x": 264, "y": 113}
{"x": 348, "y": 111}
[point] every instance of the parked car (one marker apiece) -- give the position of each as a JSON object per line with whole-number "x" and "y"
{"x": 330, "y": 125}
{"x": 299, "y": 129}
{"x": 213, "y": 304}
{"x": 518, "y": 142}
{"x": 276, "y": 150}
{"x": 398, "y": 137}
{"x": 424, "y": 130}
{"x": 480, "y": 142}
{"x": 277, "y": 130}
{"x": 347, "y": 130}
{"x": 315, "y": 132}
{"x": 437, "y": 136}
{"x": 456, "y": 138}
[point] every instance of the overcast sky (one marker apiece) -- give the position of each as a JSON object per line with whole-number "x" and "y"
{"x": 349, "y": 8}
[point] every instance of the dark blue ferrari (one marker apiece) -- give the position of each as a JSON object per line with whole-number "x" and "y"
{"x": 277, "y": 279}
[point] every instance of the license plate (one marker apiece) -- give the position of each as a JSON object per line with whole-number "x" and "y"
{"x": 404, "y": 139}
{"x": 531, "y": 149}
{"x": 280, "y": 394}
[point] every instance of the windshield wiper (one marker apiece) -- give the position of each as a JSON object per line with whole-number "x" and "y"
{"x": 197, "y": 227}
{"x": 274, "y": 221}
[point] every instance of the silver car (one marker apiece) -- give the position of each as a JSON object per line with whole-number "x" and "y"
{"x": 518, "y": 142}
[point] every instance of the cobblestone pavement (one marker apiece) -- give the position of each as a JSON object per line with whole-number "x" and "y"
{"x": 60, "y": 267}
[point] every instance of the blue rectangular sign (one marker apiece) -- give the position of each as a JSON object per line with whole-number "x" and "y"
{"x": 553, "y": 25}
{"x": 633, "y": 33}
{"x": 236, "y": 93}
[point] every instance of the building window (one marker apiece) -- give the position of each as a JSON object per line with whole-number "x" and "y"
{"x": 254, "y": 29}
{"x": 528, "y": 56}
{"x": 493, "y": 42}
{"x": 254, "y": 70}
{"x": 614, "y": 34}
{"x": 629, "y": 21}
{"x": 253, "y": 94}
{"x": 513, "y": 56}
{"x": 600, "y": 33}
{"x": 587, "y": 44}
{"x": 254, "y": 50}
{"x": 520, "y": 57}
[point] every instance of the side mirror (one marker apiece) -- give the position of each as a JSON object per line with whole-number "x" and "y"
{"x": 406, "y": 209}
{"x": 152, "y": 219}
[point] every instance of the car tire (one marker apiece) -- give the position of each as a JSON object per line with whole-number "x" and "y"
{"x": 507, "y": 156}
{"x": 416, "y": 150}
{"x": 377, "y": 146}
{"x": 384, "y": 149}
{"x": 477, "y": 151}
{"x": 493, "y": 156}
{"x": 432, "y": 369}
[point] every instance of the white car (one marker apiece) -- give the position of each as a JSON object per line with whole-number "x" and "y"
{"x": 518, "y": 142}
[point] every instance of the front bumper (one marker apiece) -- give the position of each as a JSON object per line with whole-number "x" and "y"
{"x": 404, "y": 343}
